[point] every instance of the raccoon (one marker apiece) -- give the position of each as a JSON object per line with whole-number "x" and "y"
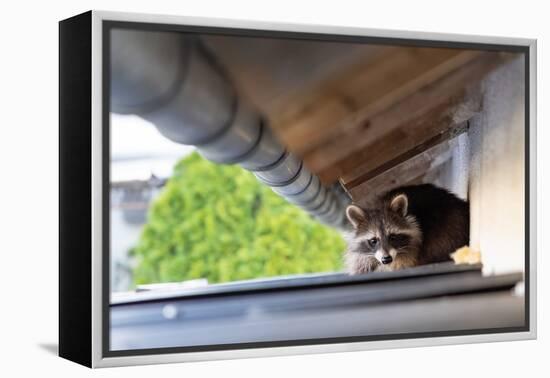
{"x": 406, "y": 227}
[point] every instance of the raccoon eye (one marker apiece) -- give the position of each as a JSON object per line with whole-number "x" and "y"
{"x": 399, "y": 240}
{"x": 373, "y": 242}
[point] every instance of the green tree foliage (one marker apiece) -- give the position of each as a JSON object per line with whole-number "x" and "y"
{"x": 218, "y": 222}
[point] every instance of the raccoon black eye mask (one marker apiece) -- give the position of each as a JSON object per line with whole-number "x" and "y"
{"x": 408, "y": 226}
{"x": 399, "y": 240}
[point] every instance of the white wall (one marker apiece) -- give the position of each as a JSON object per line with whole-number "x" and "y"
{"x": 486, "y": 166}
{"x": 497, "y": 175}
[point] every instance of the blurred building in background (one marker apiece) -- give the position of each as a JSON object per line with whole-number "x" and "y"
{"x": 141, "y": 162}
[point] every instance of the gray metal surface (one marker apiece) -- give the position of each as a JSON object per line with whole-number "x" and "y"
{"x": 295, "y": 281}
{"x": 330, "y": 307}
{"x": 173, "y": 81}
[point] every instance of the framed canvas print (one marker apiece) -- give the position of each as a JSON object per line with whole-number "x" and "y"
{"x": 235, "y": 189}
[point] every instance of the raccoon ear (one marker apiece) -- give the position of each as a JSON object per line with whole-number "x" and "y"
{"x": 355, "y": 215}
{"x": 400, "y": 204}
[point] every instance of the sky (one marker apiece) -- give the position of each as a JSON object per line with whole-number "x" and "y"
{"x": 138, "y": 150}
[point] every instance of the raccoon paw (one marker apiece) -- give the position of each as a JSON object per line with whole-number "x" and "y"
{"x": 403, "y": 260}
{"x": 361, "y": 264}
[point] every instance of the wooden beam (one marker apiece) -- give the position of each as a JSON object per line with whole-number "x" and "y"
{"x": 404, "y": 173}
{"x": 367, "y": 172}
{"x": 362, "y": 91}
{"x": 418, "y": 117}
{"x": 443, "y": 122}
{"x": 274, "y": 73}
{"x": 401, "y": 99}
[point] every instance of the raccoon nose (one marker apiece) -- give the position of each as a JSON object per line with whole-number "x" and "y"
{"x": 386, "y": 259}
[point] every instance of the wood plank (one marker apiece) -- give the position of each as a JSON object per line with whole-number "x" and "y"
{"x": 416, "y": 118}
{"x": 410, "y": 154}
{"x": 273, "y": 73}
{"x": 407, "y": 172}
{"x": 441, "y": 123}
{"x": 366, "y": 89}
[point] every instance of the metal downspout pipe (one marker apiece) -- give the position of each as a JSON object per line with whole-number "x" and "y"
{"x": 171, "y": 80}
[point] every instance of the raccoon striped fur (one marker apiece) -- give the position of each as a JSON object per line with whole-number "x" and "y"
{"x": 406, "y": 227}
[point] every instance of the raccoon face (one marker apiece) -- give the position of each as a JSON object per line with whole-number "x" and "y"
{"x": 385, "y": 233}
